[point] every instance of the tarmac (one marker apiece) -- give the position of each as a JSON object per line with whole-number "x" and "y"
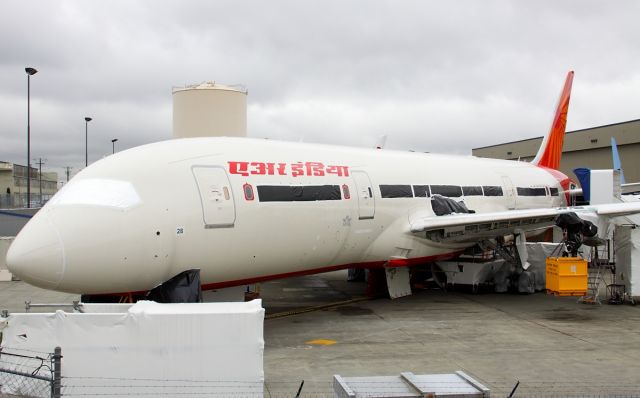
{"x": 554, "y": 346}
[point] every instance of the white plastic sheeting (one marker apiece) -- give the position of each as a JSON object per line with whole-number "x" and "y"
{"x": 470, "y": 272}
{"x": 605, "y": 186}
{"x": 151, "y": 348}
{"x": 627, "y": 248}
{"x": 538, "y": 253}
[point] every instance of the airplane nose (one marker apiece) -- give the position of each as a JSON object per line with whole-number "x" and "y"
{"x": 37, "y": 255}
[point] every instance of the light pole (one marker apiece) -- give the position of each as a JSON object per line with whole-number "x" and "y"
{"x": 86, "y": 141}
{"x": 40, "y": 163}
{"x": 30, "y": 71}
{"x": 113, "y": 145}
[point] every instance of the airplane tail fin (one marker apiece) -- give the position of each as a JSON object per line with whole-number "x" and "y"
{"x": 617, "y": 165}
{"x": 551, "y": 149}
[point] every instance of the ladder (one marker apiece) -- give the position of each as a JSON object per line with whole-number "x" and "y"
{"x": 595, "y": 279}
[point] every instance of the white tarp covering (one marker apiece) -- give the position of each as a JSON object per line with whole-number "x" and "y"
{"x": 151, "y": 348}
{"x": 627, "y": 249}
{"x": 538, "y": 253}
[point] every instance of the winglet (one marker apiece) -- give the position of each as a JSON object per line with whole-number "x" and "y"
{"x": 551, "y": 149}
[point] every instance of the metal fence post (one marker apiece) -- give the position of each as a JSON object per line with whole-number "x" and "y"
{"x": 56, "y": 382}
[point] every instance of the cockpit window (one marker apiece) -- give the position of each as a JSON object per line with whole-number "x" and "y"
{"x": 97, "y": 192}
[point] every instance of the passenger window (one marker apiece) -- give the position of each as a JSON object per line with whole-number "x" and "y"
{"x": 451, "y": 191}
{"x": 526, "y": 191}
{"x": 345, "y": 191}
{"x": 248, "y": 191}
{"x": 472, "y": 191}
{"x": 421, "y": 191}
{"x": 492, "y": 190}
{"x": 298, "y": 193}
{"x": 396, "y": 191}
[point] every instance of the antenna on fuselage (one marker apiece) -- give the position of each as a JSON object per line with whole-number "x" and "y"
{"x": 381, "y": 142}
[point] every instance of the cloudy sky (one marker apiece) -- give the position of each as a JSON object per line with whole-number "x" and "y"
{"x": 437, "y": 76}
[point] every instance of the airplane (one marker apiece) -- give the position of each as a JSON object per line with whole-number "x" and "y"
{"x": 617, "y": 164}
{"x": 628, "y": 188}
{"x": 247, "y": 210}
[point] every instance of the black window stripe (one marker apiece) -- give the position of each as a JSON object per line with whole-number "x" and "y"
{"x": 554, "y": 191}
{"x": 492, "y": 190}
{"x": 396, "y": 191}
{"x": 539, "y": 191}
{"x": 526, "y": 191}
{"x": 451, "y": 191}
{"x": 421, "y": 191}
{"x": 472, "y": 191}
{"x": 300, "y": 193}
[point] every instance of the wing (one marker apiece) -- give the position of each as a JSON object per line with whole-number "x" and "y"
{"x": 630, "y": 187}
{"x": 478, "y": 226}
{"x": 612, "y": 209}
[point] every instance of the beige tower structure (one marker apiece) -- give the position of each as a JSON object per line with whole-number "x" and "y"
{"x": 209, "y": 110}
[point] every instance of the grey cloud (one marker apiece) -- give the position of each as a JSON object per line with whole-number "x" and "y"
{"x": 433, "y": 76}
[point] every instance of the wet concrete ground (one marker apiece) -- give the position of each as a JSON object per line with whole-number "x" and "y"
{"x": 553, "y": 345}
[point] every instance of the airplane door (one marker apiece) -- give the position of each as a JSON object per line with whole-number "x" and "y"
{"x": 509, "y": 192}
{"x": 216, "y": 196}
{"x": 366, "y": 201}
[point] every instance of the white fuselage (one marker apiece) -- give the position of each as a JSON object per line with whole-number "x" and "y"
{"x": 135, "y": 219}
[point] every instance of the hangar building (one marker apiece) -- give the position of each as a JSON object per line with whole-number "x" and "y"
{"x": 582, "y": 148}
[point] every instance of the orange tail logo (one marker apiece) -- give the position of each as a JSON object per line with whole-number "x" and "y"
{"x": 551, "y": 149}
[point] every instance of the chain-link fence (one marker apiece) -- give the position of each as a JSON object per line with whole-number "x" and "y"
{"x": 37, "y": 379}
{"x": 30, "y": 373}
{"x": 123, "y": 387}
{"x": 126, "y": 387}
{"x": 38, "y": 374}
{"x": 322, "y": 388}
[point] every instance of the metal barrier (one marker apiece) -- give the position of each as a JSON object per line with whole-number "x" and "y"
{"x": 30, "y": 373}
{"x": 75, "y": 305}
{"x": 19, "y": 200}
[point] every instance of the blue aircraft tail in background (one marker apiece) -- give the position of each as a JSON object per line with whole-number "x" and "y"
{"x": 617, "y": 165}
{"x": 584, "y": 177}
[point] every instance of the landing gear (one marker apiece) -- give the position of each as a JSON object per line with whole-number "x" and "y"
{"x": 439, "y": 276}
{"x": 182, "y": 288}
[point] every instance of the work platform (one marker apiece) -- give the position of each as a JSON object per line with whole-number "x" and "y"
{"x": 409, "y": 385}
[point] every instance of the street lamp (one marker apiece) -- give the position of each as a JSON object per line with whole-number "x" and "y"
{"x": 86, "y": 141}
{"x": 113, "y": 145}
{"x": 30, "y": 72}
